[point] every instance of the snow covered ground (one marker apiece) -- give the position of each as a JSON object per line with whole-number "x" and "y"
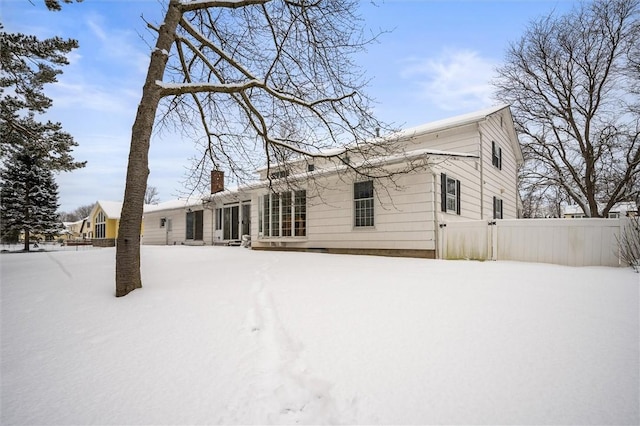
{"x": 226, "y": 335}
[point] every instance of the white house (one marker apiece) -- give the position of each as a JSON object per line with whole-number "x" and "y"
{"x": 469, "y": 172}
{"x": 624, "y": 209}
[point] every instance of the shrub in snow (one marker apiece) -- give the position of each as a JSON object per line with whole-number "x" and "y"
{"x": 629, "y": 243}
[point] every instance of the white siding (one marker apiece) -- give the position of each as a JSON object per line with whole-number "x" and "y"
{"x": 500, "y": 183}
{"x": 403, "y": 216}
{"x": 156, "y": 235}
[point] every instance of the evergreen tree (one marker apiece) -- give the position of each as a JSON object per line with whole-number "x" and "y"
{"x": 26, "y": 65}
{"x": 29, "y": 197}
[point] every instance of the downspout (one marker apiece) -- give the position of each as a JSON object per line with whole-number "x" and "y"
{"x": 481, "y": 175}
{"x": 436, "y": 225}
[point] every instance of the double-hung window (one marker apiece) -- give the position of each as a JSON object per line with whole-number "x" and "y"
{"x": 363, "y": 203}
{"x": 496, "y": 155}
{"x": 450, "y": 194}
{"x": 283, "y": 214}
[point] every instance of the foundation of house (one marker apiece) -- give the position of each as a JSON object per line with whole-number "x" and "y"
{"x": 425, "y": 254}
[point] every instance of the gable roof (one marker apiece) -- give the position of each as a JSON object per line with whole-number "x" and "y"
{"x": 463, "y": 120}
{"x": 110, "y": 208}
{"x": 441, "y": 125}
{"x": 449, "y": 123}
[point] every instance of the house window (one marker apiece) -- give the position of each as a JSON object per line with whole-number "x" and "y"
{"x": 163, "y": 222}
{"x": 496, "y": 155}
{"x": 300, "y": 208}
{"x": 450, "y": 194}
{"x": 218, "y": 219}
{"x": 101, "y": 225}
{"x": 497, "y": 208}
{"x": 275, "y": 215}
{"x": 280, "y": 174}
{"x": 283, "y": 214}
{"x": 287, "y": 209}
{"x": 363, "y": 203}
{"x": 311, "y": 167}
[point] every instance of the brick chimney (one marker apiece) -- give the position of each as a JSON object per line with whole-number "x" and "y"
{"x": 217, "y": 181}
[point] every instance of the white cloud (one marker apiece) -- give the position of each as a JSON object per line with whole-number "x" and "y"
{"x": 123, "y": 46}
{"x": 455, "y": 80}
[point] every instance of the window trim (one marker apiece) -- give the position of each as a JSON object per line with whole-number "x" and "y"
{"x": 498, "y": 209}
{"x": 445, "y": 195}
{"x": 364, "y": 214}
{"x": 496, "y": 155}
{"x": 290, "y": 220}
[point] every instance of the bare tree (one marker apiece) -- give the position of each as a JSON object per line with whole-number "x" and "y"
{"x": 151, "y": 195}
{"x": 78, "y": 214}
{"x": 573, "y": 86}
{"x": 235, "y": 75}
{"x": 84, "y": 210}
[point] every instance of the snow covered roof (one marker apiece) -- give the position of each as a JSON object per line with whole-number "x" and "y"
{"x": 437, "y": 126}
{"x": 77, "y": 222}
{"x": 622, "y": 208}
{"x": 448, "y": 123}
{"x": 173, "y": 204}
{"x": 111, "y": 208}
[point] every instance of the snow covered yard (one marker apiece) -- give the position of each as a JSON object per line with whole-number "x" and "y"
{"x": 226, "y": 335}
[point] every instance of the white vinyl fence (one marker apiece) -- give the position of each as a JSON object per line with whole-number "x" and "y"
{"x": 571, "y": 242}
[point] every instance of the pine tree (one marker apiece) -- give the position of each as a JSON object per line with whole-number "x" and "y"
{"x": 26, "y": 65}
{"x": 29, "y": 197}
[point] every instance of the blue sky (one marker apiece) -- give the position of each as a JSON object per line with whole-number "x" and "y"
{"x": 437, "y": 61}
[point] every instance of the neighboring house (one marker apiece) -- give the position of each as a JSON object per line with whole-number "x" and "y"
{"x": 73, "y": 230}
{"x": 618, "y": 210}
{"x": 105, "y": 218}
{"x": 86, "y": 230}
{"x": 470, "y": 173}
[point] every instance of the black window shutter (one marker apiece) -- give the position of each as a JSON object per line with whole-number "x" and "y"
{"x": 501, "y": 211}
{"x": 443, "y": 192}
{"x": 500, "y": 158}
{"x": 493, "y": 153}
{"x": 494, "y": 207}
{"x": 457, "y": 197}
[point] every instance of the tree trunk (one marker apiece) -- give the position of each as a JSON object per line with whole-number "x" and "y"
{"x": 26, "y": 240}
{"x": 128, "y": 276}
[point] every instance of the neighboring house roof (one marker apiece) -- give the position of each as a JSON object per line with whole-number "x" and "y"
{"x": 68, "y": 224}
{"x": 621, "y": 208}
{"x": 110, "y": 208}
